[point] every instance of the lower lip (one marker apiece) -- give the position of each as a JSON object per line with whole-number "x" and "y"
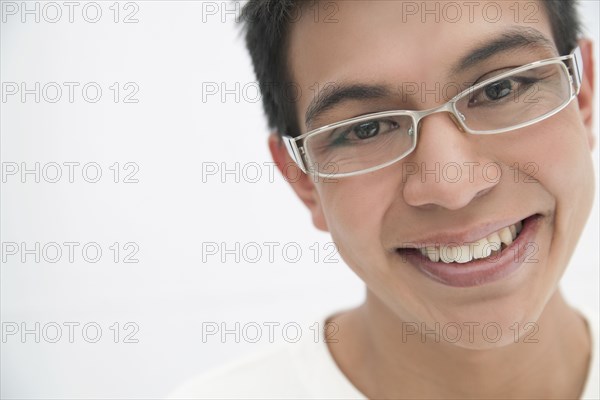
{"x": 479, "y": 272}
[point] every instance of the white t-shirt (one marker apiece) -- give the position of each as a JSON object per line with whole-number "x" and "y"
{"x": 306, "y": 370}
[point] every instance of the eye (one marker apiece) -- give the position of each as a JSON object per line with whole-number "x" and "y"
{"x": 364, "y": 133}
{"x": 366, "y": 129}
{"x": 498, "y": 90}
{"x": 369, "y": 129}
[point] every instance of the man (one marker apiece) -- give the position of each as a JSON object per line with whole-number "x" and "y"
{"x": 455, "y": 177}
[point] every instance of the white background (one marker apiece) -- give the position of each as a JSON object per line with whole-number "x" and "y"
{"x": 171, "y": 134}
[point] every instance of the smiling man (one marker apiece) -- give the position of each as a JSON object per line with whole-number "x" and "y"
{"x": 447, "y": 149}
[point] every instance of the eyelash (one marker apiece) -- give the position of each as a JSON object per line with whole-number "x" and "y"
{"x": 523, "y": 83}
{"x": 341, "y": 138}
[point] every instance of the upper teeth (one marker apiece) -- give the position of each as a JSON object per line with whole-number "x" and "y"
{"x": 480, "y": 249}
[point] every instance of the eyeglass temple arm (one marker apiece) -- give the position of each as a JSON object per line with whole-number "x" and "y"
{"x": 578, "y": 68}
{"x": 294, "y": 151}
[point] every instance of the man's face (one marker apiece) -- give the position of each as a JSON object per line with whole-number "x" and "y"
{"x": 546, "y": 171}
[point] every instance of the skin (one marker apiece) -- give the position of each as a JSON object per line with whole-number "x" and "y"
{"x": 370, "y": 215}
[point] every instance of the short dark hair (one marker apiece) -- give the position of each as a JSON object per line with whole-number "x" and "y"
{"x": 266, "y": 25}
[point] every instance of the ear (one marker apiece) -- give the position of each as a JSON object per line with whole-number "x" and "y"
{"x": 302, "y": 183}
{"x": 586, "y": 93}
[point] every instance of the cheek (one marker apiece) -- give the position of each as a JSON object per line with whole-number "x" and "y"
{"x": 560, "y": 159}
{"x": 354, "y": 209}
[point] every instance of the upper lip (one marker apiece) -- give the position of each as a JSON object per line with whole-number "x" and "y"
{"x": 460, "y": 237}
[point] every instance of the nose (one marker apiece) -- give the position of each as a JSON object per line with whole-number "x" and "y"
{"x": 450, "y": 170}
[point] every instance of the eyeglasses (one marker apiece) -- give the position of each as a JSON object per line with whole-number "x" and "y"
{"x": 507, "y": 101}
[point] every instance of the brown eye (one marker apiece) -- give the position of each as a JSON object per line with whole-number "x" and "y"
{"x": 498, "y": 90}
{"x": 367, "y": 129}
{"x": 363, "y": 132}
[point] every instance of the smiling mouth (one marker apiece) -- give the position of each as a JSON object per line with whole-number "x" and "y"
{"x": 486, "y": 247}
{"x": 463, "y": 264}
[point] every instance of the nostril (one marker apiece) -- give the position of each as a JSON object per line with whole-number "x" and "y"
{"x": 483, "y": 192}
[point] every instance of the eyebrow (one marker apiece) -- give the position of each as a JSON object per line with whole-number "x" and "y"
{"x": 332, "y": 95}
{"x": 516, "y": 38}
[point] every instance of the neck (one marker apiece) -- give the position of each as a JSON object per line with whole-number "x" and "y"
{"x": 375, "y": 355}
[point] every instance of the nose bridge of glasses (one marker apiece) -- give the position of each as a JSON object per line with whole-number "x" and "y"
{"x": 445, "y": 108}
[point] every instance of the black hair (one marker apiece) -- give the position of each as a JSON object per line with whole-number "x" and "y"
{"x": 266, "y": 25}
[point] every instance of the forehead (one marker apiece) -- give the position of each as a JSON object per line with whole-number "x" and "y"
{"x": 384, "y": 41}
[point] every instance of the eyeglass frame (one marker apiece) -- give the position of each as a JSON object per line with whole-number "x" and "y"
{"x": 299, "y": 154}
